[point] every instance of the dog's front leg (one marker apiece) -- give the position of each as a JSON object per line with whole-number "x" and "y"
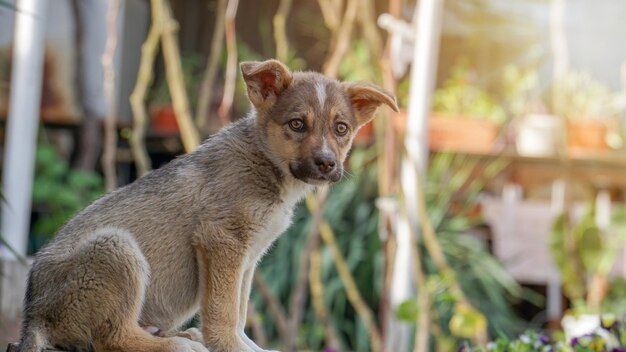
{"x": 221, "y": 274}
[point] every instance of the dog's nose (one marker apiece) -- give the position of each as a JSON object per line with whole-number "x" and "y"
{"x": 325, "y": 164}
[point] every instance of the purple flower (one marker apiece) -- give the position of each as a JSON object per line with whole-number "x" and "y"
{"x": 544, "y": 339}
{"x": 329, "y": 349}
{"x": 618, "y": 349}
{"x": 574, "y": 342}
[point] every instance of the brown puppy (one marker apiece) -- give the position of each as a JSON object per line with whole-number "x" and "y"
{"x": 187, "y": 237}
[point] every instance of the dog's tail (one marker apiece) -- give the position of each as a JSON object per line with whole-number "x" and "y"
{"x": 33, "y": 339}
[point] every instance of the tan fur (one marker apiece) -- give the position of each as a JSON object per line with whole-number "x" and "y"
{"x": 186, "y": 238}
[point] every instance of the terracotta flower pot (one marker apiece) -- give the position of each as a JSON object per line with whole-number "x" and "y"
{"x": 461, "y": 133}
{"x": 587, "y": 134}
{"x": 164, "y": 119}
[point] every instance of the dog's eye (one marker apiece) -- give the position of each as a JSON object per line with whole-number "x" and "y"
{"x": 297, "y": 125}
{"x": 341, "y": 128}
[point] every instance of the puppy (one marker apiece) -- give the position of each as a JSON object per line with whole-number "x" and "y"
{"x": 186, "y": 238}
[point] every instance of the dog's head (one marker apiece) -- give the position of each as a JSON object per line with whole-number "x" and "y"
{"x": 307, "y": 121}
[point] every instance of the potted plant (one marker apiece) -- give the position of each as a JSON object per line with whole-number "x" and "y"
{"x": 163, "y": 118}
{"x": 591, "y": 110}
{"x": 585, "y": 254}
{"x": 465, "y": 117}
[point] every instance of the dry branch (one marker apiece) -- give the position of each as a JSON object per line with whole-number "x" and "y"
{"x": 138, "y": 98}
{"x": 174, "y": 74}
{"x": 260, "y": 337}
{"x": 206, "y": 89}
{"x": 231, "y": 62}
{"x": 330, "y": 12}
{"x": 110, "y": 123}
{"x": 436, "y": 253}
{"x": 280, "y": 30}
{"x": 273, "y": 305}
{"x": 342, "y": 42}
{"x": 319, "y": 306}
{"x": 367, "y": 21}
{"x": 352, "y": 291}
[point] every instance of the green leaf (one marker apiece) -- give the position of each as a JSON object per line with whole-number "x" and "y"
{"x": 408, "y": 310}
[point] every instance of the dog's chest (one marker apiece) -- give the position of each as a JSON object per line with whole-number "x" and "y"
{"x": 274, "y": 223}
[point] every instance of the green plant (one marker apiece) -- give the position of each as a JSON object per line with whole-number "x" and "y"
{"x": 453, "y": 186}
{"x": 60, "y": 191}
{"x": 452, "y": 193}
{"x": 583, "y": 97}
{"x": 610, "y": 337}
{"x": 585, "y": 254}
{"x": 461, "y": 95}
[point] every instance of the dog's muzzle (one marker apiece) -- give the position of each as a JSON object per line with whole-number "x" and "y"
{"x": 317, "y": 170}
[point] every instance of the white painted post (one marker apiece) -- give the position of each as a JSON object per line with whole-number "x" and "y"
{"x": 427, "y": 24}
{"x": 21, "y": 138}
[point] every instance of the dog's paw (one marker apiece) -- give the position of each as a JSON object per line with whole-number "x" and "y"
{"x": 185, "y": 345}
{"x": 192, "y": 334}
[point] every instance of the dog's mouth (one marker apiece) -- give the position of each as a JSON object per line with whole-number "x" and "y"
{"x": 307, "y": 172}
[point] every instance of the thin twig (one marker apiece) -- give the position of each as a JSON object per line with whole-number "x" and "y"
{"x": 386, "y": 184}
{"x": 138, "y": 97}
{"x": 174, "y": 74}
{"x": 331, "y": 68}
{"x": 231, "y": 62}
{"x": 319, "y": 306}
{"x": 260, "y": 337}
{"x": 297, "y": 300}
{"x": 273, "y": 305}
{"x": 437, "y": 255}
{"x": 110, "y": 123}
{"x": 206, "y": 89}
{"x": 367, "y": 20}
{"x": 330, "y": 12}
{"x": 280, "y": 30}
{"x": 352, "y": 291}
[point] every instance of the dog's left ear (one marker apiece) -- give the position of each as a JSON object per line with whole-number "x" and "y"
{"x": 265, "y": 81}
{"x": 366, "y": 97}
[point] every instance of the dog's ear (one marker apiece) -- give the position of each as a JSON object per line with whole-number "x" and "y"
{"x": 366, "y": 97}
{"x": 265, "y": 81}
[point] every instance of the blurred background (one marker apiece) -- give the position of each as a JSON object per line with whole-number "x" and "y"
{"x": 491, "y": 204}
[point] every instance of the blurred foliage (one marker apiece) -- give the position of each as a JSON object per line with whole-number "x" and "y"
{"x": 591, "y": 251}
{"x": 352, "y": 213}
{"x": 586, "y": 98}
{"x": 60, "y": 191}
{"x": 519, "y": 90}
{"x": 454, "y": 185}
{"x": 357, "y": 64}
{"x": 193, "y": 68}
{"x": 461, "y": 95}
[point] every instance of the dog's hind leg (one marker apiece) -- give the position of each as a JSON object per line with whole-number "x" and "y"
{"x": 100, "y": 301}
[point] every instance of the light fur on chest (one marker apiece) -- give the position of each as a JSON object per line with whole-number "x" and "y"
{"x": 275, "y": 222}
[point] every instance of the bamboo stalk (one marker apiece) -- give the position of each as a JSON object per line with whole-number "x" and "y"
{"x": 110, "y": 123}
{"x": 174, "y": 74}
{"x": 138, "y": 97}
{"x": 231, "y": 62}
{"x": 206, "y": 89}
